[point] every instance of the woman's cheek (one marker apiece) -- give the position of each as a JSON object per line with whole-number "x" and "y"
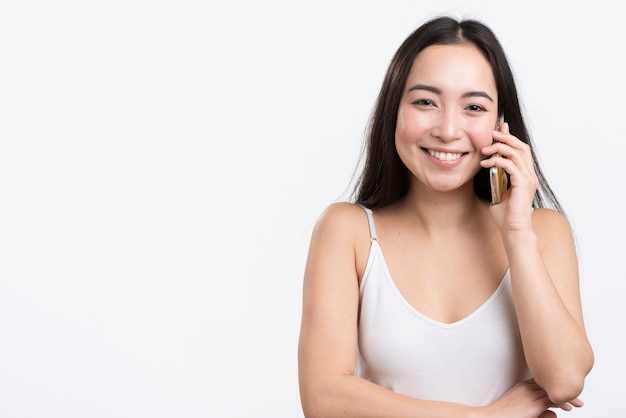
{"x": 408, "y": 126}
{"x": 483, "y": 138}
{"x": 401, "y": 124}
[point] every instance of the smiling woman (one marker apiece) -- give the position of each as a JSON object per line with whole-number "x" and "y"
{"x": 421, "y": 298}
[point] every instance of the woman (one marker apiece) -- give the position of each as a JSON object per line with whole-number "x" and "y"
{"x": 422, "y": 298}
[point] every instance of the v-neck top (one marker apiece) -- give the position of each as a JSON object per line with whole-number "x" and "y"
{"x": 472, "y": 361}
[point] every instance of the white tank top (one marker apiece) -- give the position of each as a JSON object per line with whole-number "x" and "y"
{"x": 472, "y": 361}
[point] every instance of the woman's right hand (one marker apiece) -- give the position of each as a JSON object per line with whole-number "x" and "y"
{"x": 526, "y": 400}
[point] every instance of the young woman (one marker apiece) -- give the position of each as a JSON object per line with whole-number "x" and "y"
{"x": 422, "y": 298}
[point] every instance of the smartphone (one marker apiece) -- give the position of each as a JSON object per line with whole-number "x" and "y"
{"x": 497, "y": 176}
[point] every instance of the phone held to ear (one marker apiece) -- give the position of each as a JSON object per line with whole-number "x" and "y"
{"x": 497, "y": 176}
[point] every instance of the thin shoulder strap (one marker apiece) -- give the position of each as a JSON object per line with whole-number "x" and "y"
{"x": 370, "y": 219}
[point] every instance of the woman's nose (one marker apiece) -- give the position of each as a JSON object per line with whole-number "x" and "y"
{"x": 449, "y": 127}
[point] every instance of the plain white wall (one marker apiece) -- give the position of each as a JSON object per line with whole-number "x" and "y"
{"x": 162, "y": 164}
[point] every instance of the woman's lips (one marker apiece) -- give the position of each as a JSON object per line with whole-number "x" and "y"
{"x": 445, "y": 156}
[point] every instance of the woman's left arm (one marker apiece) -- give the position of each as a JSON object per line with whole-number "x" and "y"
{"x": 544, "y": 277}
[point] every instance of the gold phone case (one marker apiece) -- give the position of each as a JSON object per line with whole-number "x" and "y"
{"x": 497, "y": 176}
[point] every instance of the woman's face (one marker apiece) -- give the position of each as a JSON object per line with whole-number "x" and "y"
{"x": 447, "y": 113}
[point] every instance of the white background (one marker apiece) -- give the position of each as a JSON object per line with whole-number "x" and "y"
{"x": 162, "y": 164}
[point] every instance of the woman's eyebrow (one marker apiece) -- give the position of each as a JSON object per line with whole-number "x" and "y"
{"x": 436, "y": 90}
{"x": 477, "y": 94}
{"x": 424, "y": 87}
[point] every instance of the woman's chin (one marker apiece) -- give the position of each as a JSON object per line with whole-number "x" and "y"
{"x": 449, "y": 187}
{"x": 445, "y": 187}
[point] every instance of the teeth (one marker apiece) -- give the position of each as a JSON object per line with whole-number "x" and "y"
{"x": 445, "y": 156}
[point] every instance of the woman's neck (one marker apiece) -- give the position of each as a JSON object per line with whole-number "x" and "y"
{"x": 439, "y": 211}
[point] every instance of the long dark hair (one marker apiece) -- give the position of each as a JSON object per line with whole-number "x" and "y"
{"x": 384, "y": 178}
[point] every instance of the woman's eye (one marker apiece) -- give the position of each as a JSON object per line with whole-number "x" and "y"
{"x": 476, "y": 108}
{"x": 423, "y": 102}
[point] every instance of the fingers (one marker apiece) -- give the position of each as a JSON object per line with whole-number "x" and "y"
{"x": 568, "y": 406}
{"x": 508, "y": 146}
{"x": 511, "y": 154}
{"x": 538, "y": 392}
{"x": 578, "y": 403}
{"x": 542, "y": 395}
{"x": 503, "y": 136}
{"x": 565, "y": 406}
{"x": 504, "y": 128}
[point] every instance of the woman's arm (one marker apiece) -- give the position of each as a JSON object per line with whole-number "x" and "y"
{"x": 544, "y": 276}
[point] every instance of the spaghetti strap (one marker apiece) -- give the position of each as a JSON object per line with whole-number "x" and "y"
{"x": 370, "y": 219}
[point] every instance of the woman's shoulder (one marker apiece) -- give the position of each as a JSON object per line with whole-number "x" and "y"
{"x": 342, "y": 216}
{"x": 546, "y": 218}
{"x": 342, "y": 229}
{"x": 551, "y": 225}
{"x": 344, "y": 209}
{"x": 342, "y": 222}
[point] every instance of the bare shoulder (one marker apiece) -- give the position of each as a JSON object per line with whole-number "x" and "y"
{"x": 342, "y": 218}
{"x": 551, "y": 227}
{"x": 342, "y": 234}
